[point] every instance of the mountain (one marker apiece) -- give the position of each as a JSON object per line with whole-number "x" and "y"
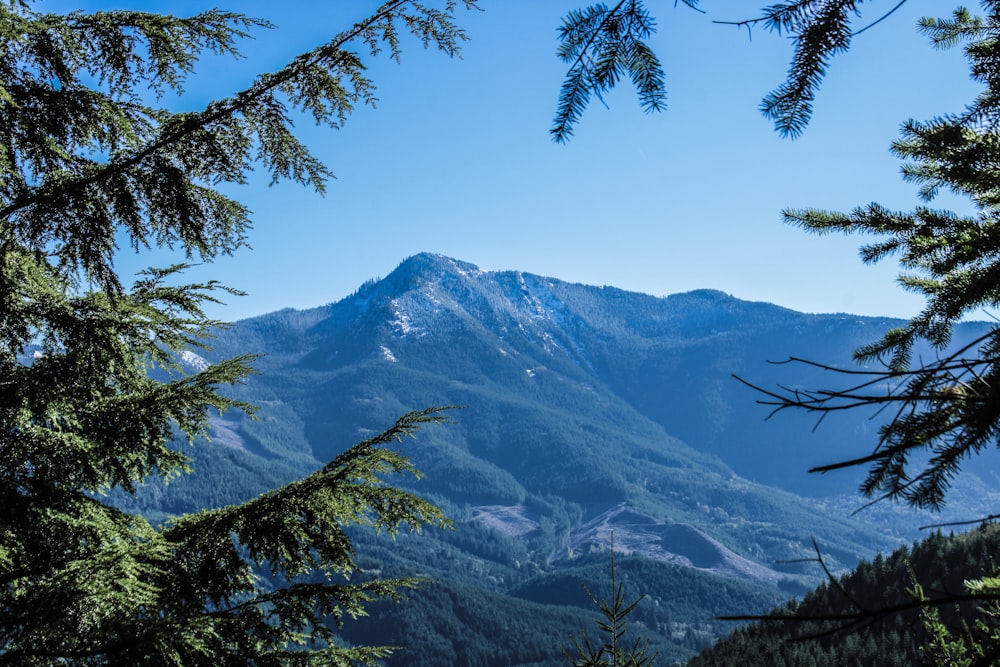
{"x": 588, "y": 412}
{"x": 556, "y": 345}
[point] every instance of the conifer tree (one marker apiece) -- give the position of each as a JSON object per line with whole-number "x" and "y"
{"x": 614, "y": 651}
{"x": 91, "y": 392}
{"x": 946, "y": 409}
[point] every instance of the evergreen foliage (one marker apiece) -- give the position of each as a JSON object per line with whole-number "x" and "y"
{"x": 613, "y": 651}
{"x": 584, "y": 429}
{"x": 452, "y": 623}
{"x": 935, "y": 615}
{"x": 943, "y": 409}
{"x": 93, "y": 391}
{"x": 946, "y": 408}
{"x": 457, "y": 620}
{"x": 602, "y": 44}
{"x": 973, "y": 642}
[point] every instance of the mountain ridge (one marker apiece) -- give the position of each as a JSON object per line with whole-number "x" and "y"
{"x": 537, "y": 325}
{"x": 589, "y": 409}
{"x": 522, "y": 328}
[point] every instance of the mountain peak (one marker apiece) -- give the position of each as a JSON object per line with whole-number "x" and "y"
{"x": 431, "y": 266}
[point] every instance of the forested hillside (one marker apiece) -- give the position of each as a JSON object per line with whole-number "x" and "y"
{"x": 866, "y": 626}
{"x": 572, "y": 397}
{"x": 454, "y": 623}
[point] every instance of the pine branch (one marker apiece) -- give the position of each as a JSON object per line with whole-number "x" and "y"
{"x": 84, "y": 199}
{"x": 265, "y": 85}
{"x": 601, "y": 45}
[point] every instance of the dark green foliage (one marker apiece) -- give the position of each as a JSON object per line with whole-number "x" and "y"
{"x": 944, "y": 406}
{"x": 945, "y": 409}
{"x": 576, "y": 428}
{"x": 157, "y": 183}
{"x": 603, "y": 44}
{"x": 870, "y": 616}
{"x": 454, "y": 622}
{"x": 820, "y": 30}
{"x": 592, "y": 427}
{"x": 268, "y": 532}
{"x": 219, "y": 476}
{"x": 95, "y": 393}
{"x": 682, "y": 604}
{"x": 972, "y": 642}
{"x": 448, "y": 623}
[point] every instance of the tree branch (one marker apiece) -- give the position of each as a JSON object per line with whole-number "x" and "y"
{"x": 226, "y": 108}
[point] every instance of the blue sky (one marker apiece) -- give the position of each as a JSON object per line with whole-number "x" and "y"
{"x": 457, "y": 160}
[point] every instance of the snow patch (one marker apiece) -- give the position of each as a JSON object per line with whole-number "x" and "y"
{"x": 37, "y": 354}
{"x": 534, "y": 303}
{"x": 466, "y": 270}
{"x": 402, "y": 322}
{"x": 196, "y": 362}
{"x": 387, "y": 354}
{"x": 530, "y": 372}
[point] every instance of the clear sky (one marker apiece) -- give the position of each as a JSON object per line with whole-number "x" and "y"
{"x": 457, "y": 160}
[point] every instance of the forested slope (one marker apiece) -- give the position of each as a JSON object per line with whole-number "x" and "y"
{"x": 860, "y": 626}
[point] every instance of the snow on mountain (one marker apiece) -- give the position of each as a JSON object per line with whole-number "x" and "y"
{"x": 194, "y": 361}
{"x": 403, "y": 323}
{"x": 430, "y": 293}
{"x": 590, "y": 395}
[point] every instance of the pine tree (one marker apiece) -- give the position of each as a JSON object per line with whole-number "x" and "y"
{"x": 614, "y": 650}
{"x": 92, "y": 395}
{"x": 946, "y": 409}
{"x": 601, "y": 44}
